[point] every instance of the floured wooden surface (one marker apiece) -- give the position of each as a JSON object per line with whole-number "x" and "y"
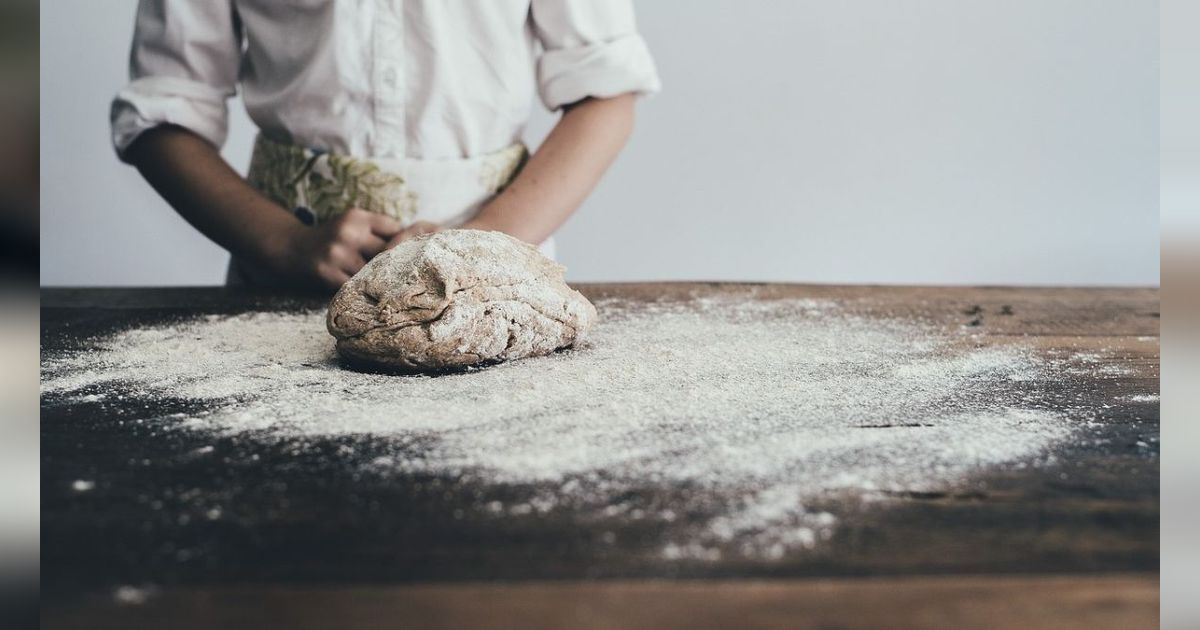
{"x": 731, "y": 429}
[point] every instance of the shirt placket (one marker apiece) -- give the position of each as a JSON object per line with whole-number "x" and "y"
{"x": 388, "y": 80}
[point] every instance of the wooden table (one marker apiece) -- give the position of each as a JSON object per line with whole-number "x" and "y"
{"x": 1073, "y": 544}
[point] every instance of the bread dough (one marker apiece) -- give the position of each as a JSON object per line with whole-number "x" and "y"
{"x": 455, "y": 299}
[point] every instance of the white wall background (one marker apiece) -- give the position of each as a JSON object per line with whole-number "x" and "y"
{"x": 873, "y": 141}
{"x": 1180, "y": 126}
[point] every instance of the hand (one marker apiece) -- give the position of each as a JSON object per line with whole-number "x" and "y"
{"x": 416, "y": 229}
{"x": 327, "y": 255}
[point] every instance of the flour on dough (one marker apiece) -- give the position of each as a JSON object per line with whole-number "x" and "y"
{"x": 454, "y": 299}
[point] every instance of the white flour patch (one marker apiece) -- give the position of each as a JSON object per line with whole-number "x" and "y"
{"x": 1113, "y": 370}
{"x": 746, "y": 412}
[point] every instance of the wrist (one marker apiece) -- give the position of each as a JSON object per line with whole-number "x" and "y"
{"x": 481, "y": 222}
{"x": 485, "y": 221}
{"x": 277, "y": 244}
{"x": 490, "y": 220}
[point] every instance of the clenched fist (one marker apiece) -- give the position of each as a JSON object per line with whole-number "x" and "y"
{"x": 327, "y": 255}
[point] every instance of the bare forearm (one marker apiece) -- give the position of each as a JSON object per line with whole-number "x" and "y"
{"x": 563, "y": 171}
{"x": 193, "y": 177}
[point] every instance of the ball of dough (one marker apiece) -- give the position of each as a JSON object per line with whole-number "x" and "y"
{"x": 454, "y": 299}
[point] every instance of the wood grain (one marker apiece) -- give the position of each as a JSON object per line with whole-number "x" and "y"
{"x": 1124, "y": 602}
{"x": 1074, "y": 544}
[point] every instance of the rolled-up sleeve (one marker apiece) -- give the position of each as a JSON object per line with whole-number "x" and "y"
{"x": 183, "y": 69}
{"x": 590, "y": 48}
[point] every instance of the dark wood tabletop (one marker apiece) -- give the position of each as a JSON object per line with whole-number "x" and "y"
{"x": 1070, "y": 544}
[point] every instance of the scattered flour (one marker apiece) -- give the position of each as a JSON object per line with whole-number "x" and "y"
{"x": 762, "y": 407}
{"x": 127, "y": 595}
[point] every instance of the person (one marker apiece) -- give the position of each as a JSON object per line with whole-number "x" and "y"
{"x": 378, "y": 120}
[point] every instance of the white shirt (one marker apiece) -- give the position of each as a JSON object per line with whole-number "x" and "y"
{"x": 422, "y": 79}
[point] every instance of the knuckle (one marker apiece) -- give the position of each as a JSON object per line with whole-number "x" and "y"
{"x": 329, "y": 272}
{"x": 348, "y": 231}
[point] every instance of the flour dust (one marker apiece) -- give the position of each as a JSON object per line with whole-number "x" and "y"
{"x": 759, "y": 409}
